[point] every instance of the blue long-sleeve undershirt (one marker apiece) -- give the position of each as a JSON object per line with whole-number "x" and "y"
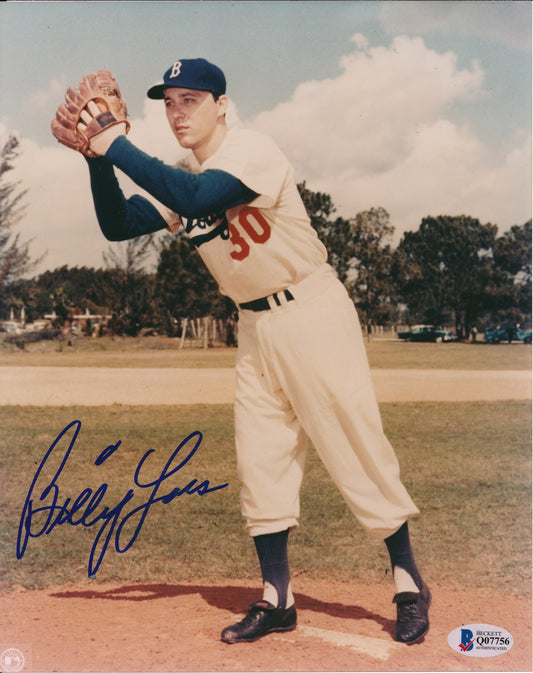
{"x": 120, "y": 218}
{"x": 189, "y": 195}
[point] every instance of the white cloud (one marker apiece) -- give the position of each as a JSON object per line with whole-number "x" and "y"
{"x": 60, "y": 215}
{"x": 368, "y": 115}
{"x": 447, "y": 171}
{"x": 379, "y": 134}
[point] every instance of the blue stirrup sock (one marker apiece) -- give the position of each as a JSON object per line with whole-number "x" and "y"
{"x": 274, "y": 561}
{"x": 402, "y": 560}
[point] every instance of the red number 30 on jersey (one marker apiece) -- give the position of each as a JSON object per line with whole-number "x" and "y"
{"x": 252, "y": 223}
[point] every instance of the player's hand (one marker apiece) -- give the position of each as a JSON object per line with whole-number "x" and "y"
{"x": 100, "y": 141}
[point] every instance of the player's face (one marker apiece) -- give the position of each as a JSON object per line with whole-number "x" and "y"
{"x": 194, "y": 116}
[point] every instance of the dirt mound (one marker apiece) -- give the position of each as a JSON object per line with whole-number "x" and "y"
{"x": 176, "y": 627}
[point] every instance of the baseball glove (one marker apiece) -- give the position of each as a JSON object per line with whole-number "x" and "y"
{"x": 91, "y": 109}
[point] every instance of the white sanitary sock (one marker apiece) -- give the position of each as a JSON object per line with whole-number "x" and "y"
{"x": 271, "y": 595}
{"x": 403, "y": 581}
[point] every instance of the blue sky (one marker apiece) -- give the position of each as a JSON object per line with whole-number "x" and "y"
{"x": 418, "y": 107}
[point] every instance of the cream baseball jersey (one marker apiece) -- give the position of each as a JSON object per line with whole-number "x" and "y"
{"x": 256, "y": 249}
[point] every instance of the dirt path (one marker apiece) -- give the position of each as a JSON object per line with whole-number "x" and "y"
{"x": 58, "y": 386}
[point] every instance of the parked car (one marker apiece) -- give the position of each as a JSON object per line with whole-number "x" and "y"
{"x": 427, "y": 333}
{"x": 507, "y": 333}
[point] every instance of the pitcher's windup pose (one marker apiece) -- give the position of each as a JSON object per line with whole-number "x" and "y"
{"x": 302, "y": 371}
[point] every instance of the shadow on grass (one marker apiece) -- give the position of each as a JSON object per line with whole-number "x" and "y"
{"x": 232, "y": 598}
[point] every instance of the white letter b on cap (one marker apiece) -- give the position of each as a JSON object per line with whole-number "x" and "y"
{"x": 176, "y": 68}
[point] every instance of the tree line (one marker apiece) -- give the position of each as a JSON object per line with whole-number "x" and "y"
{"x": 452, "y": 270}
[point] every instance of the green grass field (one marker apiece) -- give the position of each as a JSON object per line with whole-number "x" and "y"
{"x": 164, "y": 352}
{"x": 467, "y": 466}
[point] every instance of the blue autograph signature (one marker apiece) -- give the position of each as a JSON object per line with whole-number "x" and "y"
{"x": 39, "y": 520}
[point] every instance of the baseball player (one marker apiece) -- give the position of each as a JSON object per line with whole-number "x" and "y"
{"x": 301, "y": 370}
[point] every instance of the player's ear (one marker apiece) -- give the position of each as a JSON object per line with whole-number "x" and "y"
{"x": 222, "y": 103}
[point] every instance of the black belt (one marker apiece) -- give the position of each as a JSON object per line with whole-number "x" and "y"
{"x": 262, "y": 304}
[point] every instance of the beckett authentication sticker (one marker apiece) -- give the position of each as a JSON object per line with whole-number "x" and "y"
{"x": 480, "y": 640}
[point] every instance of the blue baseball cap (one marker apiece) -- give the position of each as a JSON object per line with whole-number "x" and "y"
{"x": 194, "y": 73}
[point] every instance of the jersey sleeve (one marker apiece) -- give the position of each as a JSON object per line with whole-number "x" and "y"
{"x": 255, "y": 160}
{"x": 187, "y": 194}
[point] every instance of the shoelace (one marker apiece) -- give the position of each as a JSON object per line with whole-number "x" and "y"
{"x": 253, "y": 610}
{"x": 407, "y": 611}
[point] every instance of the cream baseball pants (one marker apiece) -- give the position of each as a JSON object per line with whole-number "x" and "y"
{"x": 302, "y": 373}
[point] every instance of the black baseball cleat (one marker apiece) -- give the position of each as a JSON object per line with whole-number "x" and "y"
{"x": 261, "y": 619}
{"x": 412, "y": 622}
